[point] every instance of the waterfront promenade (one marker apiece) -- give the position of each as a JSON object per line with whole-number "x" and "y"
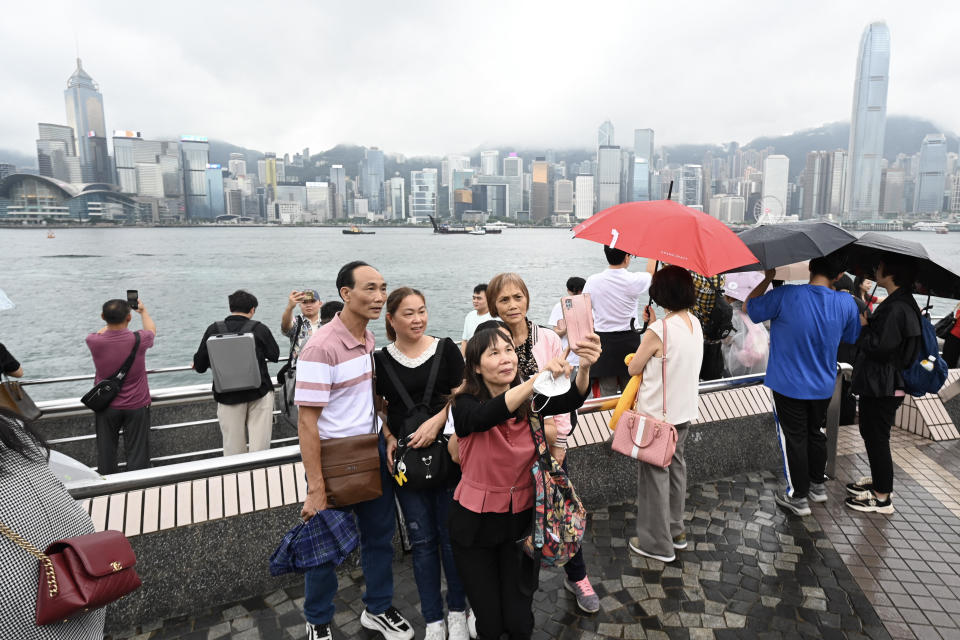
{"x": 751, "y": 570}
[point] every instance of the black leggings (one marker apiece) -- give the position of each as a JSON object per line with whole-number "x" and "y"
{"x": 876, "y": 419}
{"x": 951, "y": 350}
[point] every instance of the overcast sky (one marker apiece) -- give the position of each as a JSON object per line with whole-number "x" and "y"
{"x": 445, "y": 77}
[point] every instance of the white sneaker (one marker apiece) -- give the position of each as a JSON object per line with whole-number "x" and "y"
{"x": 457, "y": 628}
{"x": 472, "y": 624}
{"x": 319, "y": 632}
{"x": 436, "y": 631}
{"x": 390, "y": 624}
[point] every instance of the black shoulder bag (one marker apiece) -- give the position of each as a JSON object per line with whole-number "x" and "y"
{"x": 289, "y": 370}
{"x": 99, "y": 398}
{"x": 427, "y": 467}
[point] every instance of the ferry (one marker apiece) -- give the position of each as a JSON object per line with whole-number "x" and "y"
{"x": 497, "y": 227}
{"x": 448, "y": 229}
{"x": 931, "y": 226}
{"x": 356, "y": 231}
{"x": 479, "y": 231}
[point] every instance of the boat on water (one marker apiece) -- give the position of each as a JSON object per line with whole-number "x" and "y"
{"x": 479, "y": 231}
{"x": 942, "y": 231}
{"x": 51, "y": 234}
{"x": 356, "y": 231}
{"x": 496, "y": 227}
{"x": 931, "y": 226}
{"x": 448, "y": 228}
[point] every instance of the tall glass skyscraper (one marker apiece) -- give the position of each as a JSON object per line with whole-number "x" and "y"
{"x": 85, "y": 116}
{"x": 371, "y": 178}
{"x": 867, "y": 124}
{"x": 605, "y": 134}
{"x": 932, "y": 176}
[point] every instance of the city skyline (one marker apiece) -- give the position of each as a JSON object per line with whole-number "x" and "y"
{"x": 168, "y": 82}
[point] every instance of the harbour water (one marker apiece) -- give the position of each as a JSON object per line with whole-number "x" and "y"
{"x": 185, "y": 274}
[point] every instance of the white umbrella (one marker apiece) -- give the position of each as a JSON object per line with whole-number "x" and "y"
{"x": 66, "y": 469}
{"x": 5, "y": 302}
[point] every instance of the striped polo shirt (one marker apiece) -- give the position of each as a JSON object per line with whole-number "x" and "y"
{"x": 335, "y": 372}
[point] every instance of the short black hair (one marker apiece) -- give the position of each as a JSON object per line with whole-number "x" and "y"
{"x": 576, "y": 284}
{"x": 903, "y": 269}
{"x": 480, "y": 288}
{"x": 345, "y": 275}
{"x": 614, "y": 256}
{"x": 490, "y": 324}
{"x": 329, "y": 310}
{"x": 115, "y": 311}
{"x": 672, "y": 288}
{"x": 844, "y": 283}
{"x": 242, "y": 301}
{"x": 830, "y": 265}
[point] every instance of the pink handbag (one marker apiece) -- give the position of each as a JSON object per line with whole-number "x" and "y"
{"x": 644, "y": 437}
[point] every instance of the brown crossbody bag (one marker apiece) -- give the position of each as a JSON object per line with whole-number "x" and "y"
{"x": 351, "y": 466}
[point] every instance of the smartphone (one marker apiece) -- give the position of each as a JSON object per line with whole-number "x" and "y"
{"x": 133, "y": 298}
{"x": 307, "y": 296}
{"x": 578, "y": 316}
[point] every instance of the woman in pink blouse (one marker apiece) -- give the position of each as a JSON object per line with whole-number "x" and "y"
{"x": 492, "y": 506}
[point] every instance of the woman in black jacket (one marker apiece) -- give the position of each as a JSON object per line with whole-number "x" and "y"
{"x": 889, "y": 343}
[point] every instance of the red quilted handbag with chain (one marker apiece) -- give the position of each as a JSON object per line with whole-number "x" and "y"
{"x": 80, "y": 574}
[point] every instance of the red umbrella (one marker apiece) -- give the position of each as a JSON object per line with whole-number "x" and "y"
{"x": 667, "y": 231}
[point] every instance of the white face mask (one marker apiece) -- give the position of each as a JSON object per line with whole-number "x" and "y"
{"x": 549, "y": 387}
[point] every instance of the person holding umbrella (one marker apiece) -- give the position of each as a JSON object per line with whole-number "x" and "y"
{"x": 889, "y": 342}
{"x": 808, "y": 323}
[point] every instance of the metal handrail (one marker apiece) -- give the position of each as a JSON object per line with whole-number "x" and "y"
{"x": 93, "y": 376}
{"x": 181, "y": 472}
{"x": 197, "y": 469}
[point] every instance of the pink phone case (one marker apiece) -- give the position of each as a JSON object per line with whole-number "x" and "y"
{"x": 578, "y": 316}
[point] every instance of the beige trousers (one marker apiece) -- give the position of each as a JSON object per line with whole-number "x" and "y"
{"x": 238, "y": 420}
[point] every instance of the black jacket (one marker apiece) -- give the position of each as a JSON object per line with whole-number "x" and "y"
{"x": 888, "y": 344}
{"x": 267, "y": 349}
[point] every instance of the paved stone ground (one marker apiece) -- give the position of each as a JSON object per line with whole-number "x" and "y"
{"x": 751, "y": 571}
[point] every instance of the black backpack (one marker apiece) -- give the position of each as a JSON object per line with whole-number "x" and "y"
{"x": 718, "y": 324}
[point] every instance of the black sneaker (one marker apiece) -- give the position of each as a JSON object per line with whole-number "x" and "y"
{"x": 390, "y": 624}
{"x": 319, "y": 632}
{"x": 869, "y": 503}
{"x": 860, "y": 487}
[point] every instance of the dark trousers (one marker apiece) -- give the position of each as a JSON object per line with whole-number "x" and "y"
{"x": 135, "y": 424}
{"x": 876, "y": 418}
{"x": 951, "y": 350}
{"x": 803, "y": 444}
{"x": 498, "y": 577}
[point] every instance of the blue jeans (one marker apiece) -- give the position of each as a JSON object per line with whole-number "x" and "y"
{"x": 376, "y": 521}
{"x": 426, "y": 513}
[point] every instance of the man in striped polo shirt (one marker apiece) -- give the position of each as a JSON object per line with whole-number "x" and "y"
{"x": 335, "y": 397}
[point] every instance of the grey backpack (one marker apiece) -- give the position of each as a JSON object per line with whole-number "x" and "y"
{"x": 233, "y": 358}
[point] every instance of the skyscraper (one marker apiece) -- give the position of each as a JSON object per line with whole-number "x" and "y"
{"x": 642, "y": 164}
{"x": 215, "y": 196}
{"x": 237, "y": 164}
{"x": 488, "y": 162}
{"x": 125, "y": 154}
{"x": 540, "y": 191}
{"x": 583, "y": 194}
{"x": 776, "y": 176}
{"x": 868, "y": 124}
{"x": 608, "y": 176}
{"x": 195, "y": 152}
{"x": 56, "y": 153}
{"x": 338, "y": 182}
{"x": 84, "y": 105}
{"x": 371, "y": 179}
{"x": 423, "y": 193}
{"x": 691, "y": 186}
{"x": 932, "y": 176}
{"x": 605, "y": 134}
{"x": 396, "y": 198}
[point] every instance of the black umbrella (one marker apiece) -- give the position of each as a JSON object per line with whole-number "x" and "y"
{"x": 932, "y": 279}
{"x": 776, "y": 245}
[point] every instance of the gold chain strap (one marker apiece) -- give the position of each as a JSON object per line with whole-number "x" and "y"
{"x": 39, "y": 555}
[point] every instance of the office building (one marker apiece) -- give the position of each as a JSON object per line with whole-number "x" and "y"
{"x": 605, "y": 134}
{"x": 776, "y": 176}
{"x": 489, "y": 161}
{"x": 149, "y": 179}
{"x": 891, "y": 193}
{"x": 584, "y": 196}
{"x": 7, "y": 169}
{"x": 56, "y": 153}
{"x": 338, "y": 184}
{"x": 513, "y": 166}
{"x": 563, "y": 197}
{"x": 423, "y": 193}
{"x": 270, "y": 179}
{"x": 691, "y": 186}
{"x": 931, "y": 175}
{"x": 126, "y": 155}
{"x": 642, "y": 164}
{"x": 195, "y": 156}
{"x": 214, "y": 174}
{"x": 237, "y": 165}
{"x": 371, "y": 179}
{"x": 868, "y": 124}
{"x": 728, "y": 208}
{"x": 84, "y": 105}
{"x": 449, "y": 166}
{"x": 608, "y": 175}
{"x": 236, "y": 205}
{"x": 540, "y": 191}
{"x": 395, "y": 192}
{"x": 626, "y": 175}
{"x": 318, "y": 201}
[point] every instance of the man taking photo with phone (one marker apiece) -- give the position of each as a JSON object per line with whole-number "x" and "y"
{"x": 130, "y": 410}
